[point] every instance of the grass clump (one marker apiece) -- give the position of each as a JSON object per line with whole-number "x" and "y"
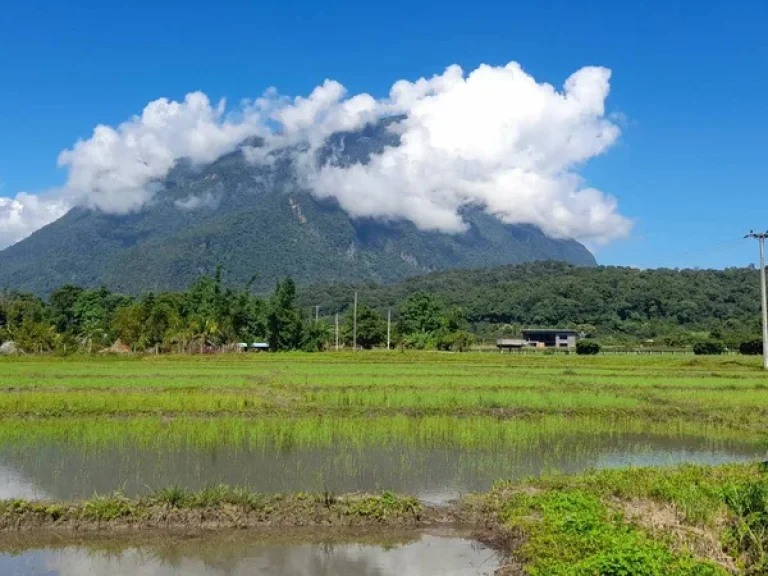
{"x": 386, "y": 506}
{"x": 107, "y": 508}
{"x": 174, "y": 497}
{"x": 748, "y": 532}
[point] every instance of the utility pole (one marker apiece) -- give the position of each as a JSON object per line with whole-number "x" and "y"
{"x": 337, "y": 331}
{"x": 761, "y": 236}
{"x": 317, "y": 313}
{"x": 389, "y": 326}
{"x": 354, "y": 325}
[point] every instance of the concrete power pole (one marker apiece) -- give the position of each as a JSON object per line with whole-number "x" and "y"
{"x": 317, "y": 313}
{"x": 337, "y": 331}
{"x": 354, "y": 325}
{"x": 761, "y": 236}
{"x": 389, "y": 326}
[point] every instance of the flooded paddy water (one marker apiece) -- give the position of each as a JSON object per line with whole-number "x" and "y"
{"x": 427, "y": 429}
{"x": 405, "y": 554}
{"x": 435, "y": 459}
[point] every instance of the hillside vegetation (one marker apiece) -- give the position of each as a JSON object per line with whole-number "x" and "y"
{"x": 674, "y": 307}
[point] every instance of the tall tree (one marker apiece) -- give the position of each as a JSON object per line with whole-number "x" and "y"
{"x": 371, "y": 327}
{"x": 128, "y": 325}
{"x": 285, "y": 325}
{"x": 421, "y": 313}
{"x": 62, "y": 303}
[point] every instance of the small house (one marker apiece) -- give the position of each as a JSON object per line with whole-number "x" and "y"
{"x": 551, "y": 337}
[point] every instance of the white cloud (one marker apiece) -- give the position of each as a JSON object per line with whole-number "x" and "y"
{"x": 193, "y": 202}
{"x": 114, "y": 169}
{"x": 495, "y": 138}
{"x": 25, "y": 213}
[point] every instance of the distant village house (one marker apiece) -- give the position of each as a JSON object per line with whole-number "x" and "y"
{"x": 540, "y": 338}
{"x": 253, "y": 347}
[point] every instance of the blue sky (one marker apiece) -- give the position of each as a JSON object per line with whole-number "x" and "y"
{"x": 689, "y": 83}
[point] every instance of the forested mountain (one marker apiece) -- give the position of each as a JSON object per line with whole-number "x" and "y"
{"x": 256, "y": 219}
{"x": 676, "y": 305}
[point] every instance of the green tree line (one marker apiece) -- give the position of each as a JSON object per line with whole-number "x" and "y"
{"x": 447, "y": 310}
{"x": 209, "y": 315}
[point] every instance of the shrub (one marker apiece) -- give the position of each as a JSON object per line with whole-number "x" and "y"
{"x": 457, "y": 341}
{"x": 708, "y": 348}
{"x": 751, "y": 347}
{"x": 587, "y": 347}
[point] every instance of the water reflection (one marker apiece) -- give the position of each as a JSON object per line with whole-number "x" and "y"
{"x": 65, "y": 470}
{"x": 426, "y": 554}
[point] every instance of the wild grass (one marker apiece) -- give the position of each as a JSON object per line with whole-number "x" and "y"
{"x": 641, "y": 521}
{"x": 289, "y": 509}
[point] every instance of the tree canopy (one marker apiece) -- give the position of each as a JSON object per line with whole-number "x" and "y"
{"x": 446, "y": 310}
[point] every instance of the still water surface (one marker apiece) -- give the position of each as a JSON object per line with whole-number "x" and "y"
{"x": 419, "y": 554}
{"x": 434, "y": 473}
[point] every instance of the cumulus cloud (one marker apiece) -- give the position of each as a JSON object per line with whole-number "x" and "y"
{"x": 324, "y": 112}
{"x": 494, "y": 138}
{"x": 116, "y": 168}
{"x": 25, "y": 213}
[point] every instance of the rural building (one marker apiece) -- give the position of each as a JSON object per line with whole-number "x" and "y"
{"x": 538, "y": 338}
{"x": 551, "y": 338}
{"x": 259, "y": 347}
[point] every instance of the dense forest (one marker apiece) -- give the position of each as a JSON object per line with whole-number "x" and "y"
{"x": 210, "y": 316}
{"x": 446, "y": 310}
{"x": 614, "y": 304}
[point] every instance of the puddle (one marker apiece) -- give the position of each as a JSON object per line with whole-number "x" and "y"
{"x": 410, "y": 556}
{"x": 435, "y": 469}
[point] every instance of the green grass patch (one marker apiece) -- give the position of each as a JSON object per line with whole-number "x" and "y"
{"x": 586, "y": 521}
{"x": 573, "y": 533}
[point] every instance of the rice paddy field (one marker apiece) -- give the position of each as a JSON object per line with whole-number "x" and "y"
{"x": 454, "y": 432}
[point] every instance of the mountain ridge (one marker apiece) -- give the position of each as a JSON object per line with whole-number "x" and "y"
{"x": 258, "y": 219}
